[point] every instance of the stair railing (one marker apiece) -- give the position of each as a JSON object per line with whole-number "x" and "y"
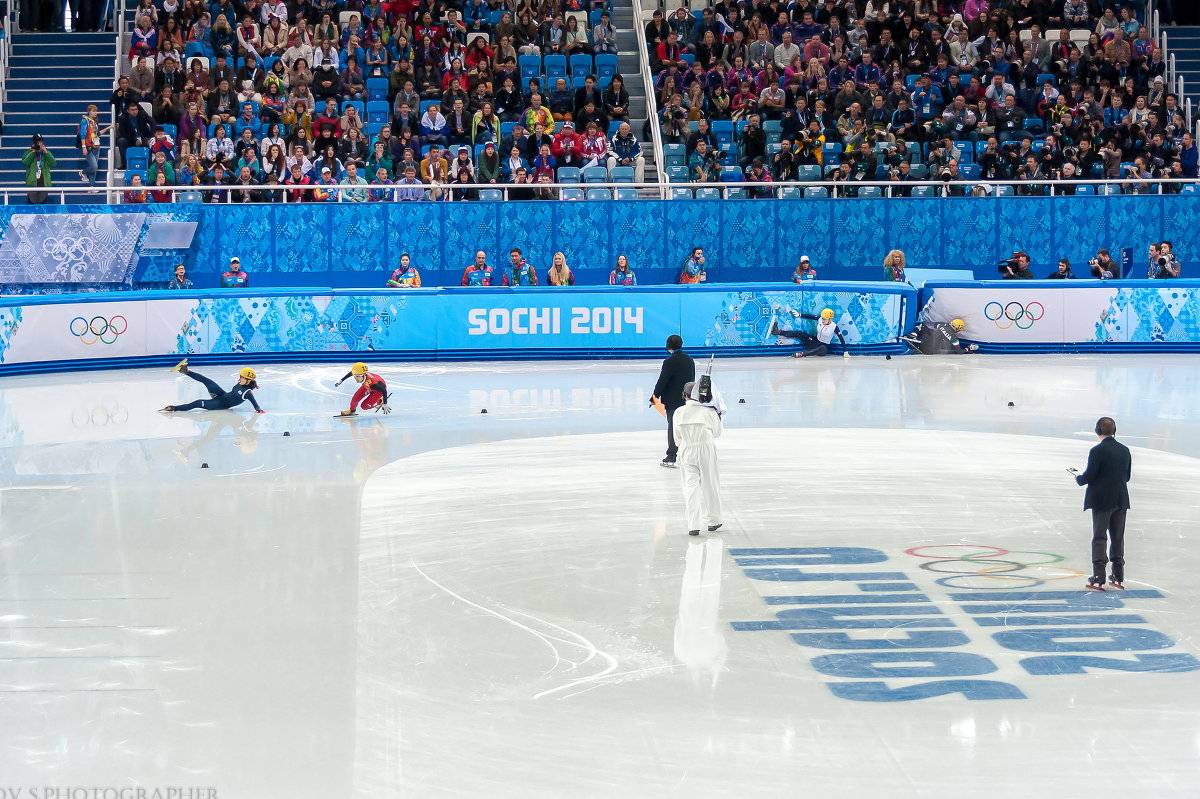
{"x": 118, "y": 11}
{"x": 639, "y": 31}
{"x": 6, "y": 53}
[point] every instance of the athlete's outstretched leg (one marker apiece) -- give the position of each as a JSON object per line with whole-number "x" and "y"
{"x": 212, "y": 387}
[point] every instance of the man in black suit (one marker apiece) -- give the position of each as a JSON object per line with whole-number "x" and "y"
{"x": 1106, "y": 477}
{"x": 678, "y": 368}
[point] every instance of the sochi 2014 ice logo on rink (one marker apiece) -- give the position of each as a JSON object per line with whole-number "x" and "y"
{"x": 866, "y": 629}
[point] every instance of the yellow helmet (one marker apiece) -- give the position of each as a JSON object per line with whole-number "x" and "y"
{"x": 827, "y": 313}
{"x": 359, "y": 368}
{"x": 958, "y": 324}
{"x": 248, "y": 373}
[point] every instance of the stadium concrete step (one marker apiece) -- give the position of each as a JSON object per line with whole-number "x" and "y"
{"x": 629, "y": 64}
{"x": 1183, "y": 42}
{"x": 52, "y": 78}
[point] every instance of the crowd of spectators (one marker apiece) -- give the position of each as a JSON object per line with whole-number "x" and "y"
{"x": 404, "y": 99}
{"x": 904, "y": 90}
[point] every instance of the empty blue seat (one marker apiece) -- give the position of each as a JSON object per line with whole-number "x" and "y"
{"x": 677, "y": 174}
{"x": 1089, "y": 190}
{"x": 599, "y": 194}
{"x": 556, "y": 67}
{"x": 924, "y": 191}
{"x": 606, "y": 65}
{"x": 920, "y": 171}
{"x": 735, "y": 194}
{"x": 491, "y": 195}
{"x": 872, "y": 192}
{"x": 679, "y": 193}
{"x": 137, "y": 158}
{"x": 568, "y": 174}
{"x": 378, "y": 111}
{"x": 790, "y": 193}
{"x": 573, "y": 194}
{"x": 966, "y": 152}
{"x": 627, "y": 194}
{"x": 708, "y": 193}
{"x": 1004, "y": 191}
{"x": 530, "y": 66}
{"x": 377, "y": 89}
{"x": 622, "y": 174}
{"x": 970, "y": 171}
{"x": 581, "y": 65}
{"x": 816, "y": 193}
{"x": 595, "y": 174}
{"x": 810, "y": 172}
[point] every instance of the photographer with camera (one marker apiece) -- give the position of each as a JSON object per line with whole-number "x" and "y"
{"x": 1141, "y": 174}
{"x": 753, "y": 142}
{"x": 704, "y": 164}
{"x": 38, "y": 162}
{"x": 1016, "y": 267}
{"x": 1103, "y": 267}
{"x": 1163, "y": 264}
{"x": 675, "y": 128}
{"x": 783, "y": 164}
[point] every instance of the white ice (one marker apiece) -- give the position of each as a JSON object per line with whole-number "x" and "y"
{"x": 444, "y": 603}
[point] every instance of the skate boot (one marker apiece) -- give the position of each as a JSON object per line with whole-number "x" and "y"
{"x": 180, "y": 367}
{"x": 667, "y": 463}
{"x": 1118, "y": 584}
{"x": 712, "y": 528}
{"x": 693, "y": 532}
{"x": 1095, "y": 583}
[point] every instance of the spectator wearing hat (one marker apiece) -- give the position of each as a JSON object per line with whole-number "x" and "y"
{"x": 804, "y": 271}
{"x": 489, "y": 168}
{"x": 567, "y": 147}
{"x": 236, "y": 277}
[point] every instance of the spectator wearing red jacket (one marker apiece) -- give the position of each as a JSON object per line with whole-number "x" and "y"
{"x": 568, "y": 146}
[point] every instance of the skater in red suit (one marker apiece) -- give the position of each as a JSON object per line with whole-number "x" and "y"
{"x": 372, "y": 391}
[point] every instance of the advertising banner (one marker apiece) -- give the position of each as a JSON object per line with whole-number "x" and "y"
{"x": 77, "y": 331}
{"x": 1070, "y": 312}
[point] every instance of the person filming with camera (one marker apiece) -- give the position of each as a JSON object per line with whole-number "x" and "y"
{"x": 38, "y": 162}
{"x": 1162, "y": 263}
{"x": 1016, "y": 268}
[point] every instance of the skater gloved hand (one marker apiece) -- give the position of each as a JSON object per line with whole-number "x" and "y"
{"x": 385, "y": 408}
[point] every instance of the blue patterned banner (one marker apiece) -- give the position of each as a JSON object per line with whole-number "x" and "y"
{"x": 358, "y": 246}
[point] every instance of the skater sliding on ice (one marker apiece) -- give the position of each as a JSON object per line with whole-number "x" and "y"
{"x": 813, "y": 345}
{"x": 697, "y": 425}
{"x": 372, "y": 390}
{"x": 220, "y": 398}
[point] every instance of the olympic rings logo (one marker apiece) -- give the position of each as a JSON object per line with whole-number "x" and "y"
{"x": 1014, "y": 313}
{"x": 103, "y": 414}
{"x": 989, "y": 568}
{"x": 66, "y": 248}
{"x": 106, "y": 331}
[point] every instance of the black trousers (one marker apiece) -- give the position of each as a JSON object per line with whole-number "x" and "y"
{"x": 811, "y": 344}
{"x": 672, "y": 447}
{"x": 1108, "y": 530}
{"x": 220, "y": 398}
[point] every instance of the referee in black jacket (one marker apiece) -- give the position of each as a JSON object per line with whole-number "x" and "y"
{"x": 677, "y": 368}
{"x": 1109, "y": 467}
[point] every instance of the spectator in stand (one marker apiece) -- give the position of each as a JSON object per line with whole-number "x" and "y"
{"x": 38, "y": 161}
{"x": 625, "y": 150}
{"x": 1018, "y": 268}
{"x": 133, "y": 130}
{"x": 893, "y": 267}
{"x": 235, "y": 277}
{"x": 703, "y": 166}
{"x": 693, "y": 270}
{"x": 623, "y": 274}
{"x": 90, "y": 144}
{"x": 804, "y": 271}
{"x": 480, "y": 273}
{"x": 180, "y": 280}
{"x": 1062, "y": 272}
{"x": 559, "y": 274}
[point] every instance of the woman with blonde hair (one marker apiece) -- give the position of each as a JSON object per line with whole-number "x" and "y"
{"x": 893, "y": 266}
{"x": 559, "y": 273}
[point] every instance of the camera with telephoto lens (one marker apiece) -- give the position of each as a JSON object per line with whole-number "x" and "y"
{"x": 1007, "y": 263}
{"x": 1094, "y": 263}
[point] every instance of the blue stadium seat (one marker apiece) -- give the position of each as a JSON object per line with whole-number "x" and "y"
{"x": 627, "y": 194}
{"x": 920, "y": 171}
{"x": 732, "y": 174}
{"x": 966, "y": 152}
{"x": 970, "y": 171}
{"x": 189, "y": 197}
{"x": 556, "y": 67}
{"x": 362, "y": 108}
{"x": 581, "y": 65}
{"x": 1088, "y": 190}
{"x": 599, "y": 194}
{"x": 573, "y": 194}
{"x": 810, "y": 172}
{"x": 137, "y": 158}
{"x": 1110, "y": 189}
{"x": 530, "y": 66}
{"x": 790, "y": 193}
{"x": 1004, "y": 191}
{"x": 378, "y": 112}
{"x": 377, "y": 89}
{"x": 708, "y": 193}
{"x": 622, "y": 174}
{"x": 680, "y": 193}
{"x": 924, "y": 191}
{"x": 568, "y": 174}
{"x": 735, "y": 194}
{"x": 870, "y": 192}
{"x": 677, "y": 174}
{"x": 595, "y": 174}
{"x": 491, "y": 195}
{"x": 831, "y": 150}
{"x": 171, "y": 131}
{"x": 606, "y": 65}
{"x": 816, "y": 193}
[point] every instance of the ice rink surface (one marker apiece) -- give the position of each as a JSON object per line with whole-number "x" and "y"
{"x": 444, "y": 603}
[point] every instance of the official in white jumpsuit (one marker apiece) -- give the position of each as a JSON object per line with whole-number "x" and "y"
{"x": 697, "y": 425}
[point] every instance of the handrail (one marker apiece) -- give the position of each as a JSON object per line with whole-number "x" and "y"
{"x": 115, "y": 195}
{"x": 639, "y": 31}
{"x": 118, "y": 10}
{"x": 6, "y": 53}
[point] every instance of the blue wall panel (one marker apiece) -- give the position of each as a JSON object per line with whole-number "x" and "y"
{"x": 355, "y": 246}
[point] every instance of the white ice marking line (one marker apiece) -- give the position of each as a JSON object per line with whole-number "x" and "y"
{"x": 583, "y": 642}
{"x": 255, "y": 470}
{"x": 294, "y": 382}
{"x": 557, "y": 658}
